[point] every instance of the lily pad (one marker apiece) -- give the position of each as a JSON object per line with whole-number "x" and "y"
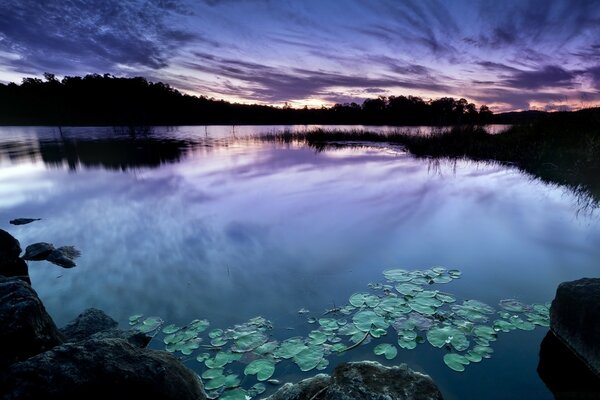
{"x": 397, "y": 275}
{"x": 262, "y": 368}
{"x": 266, "y": 348}
{"x": 387, "y": 350}
{"x": 309, "y": 358}
{"x": 521, "y": 324}
{"x": 408, "y": 289}
{"x": 289, "y": 348}
{"x": 441, "y": 336}
{"x": 485, "y": 332}
{"x": 317, "y": 337}
{"x": 328, "y": 324}
{"x": 249, "y": 342}
{"x": 256, "y": 389}
{"x": 221, "y": 359}
{"x": 212, "y": 373}
{"x": 503, "y": 325}
{"x": 367, "y": 320}
{"x": 364, "y": 299}
{"x": 233, "y": 394}
{"x": 170, "y": 329}
{"x": 456, "y": 362}
{"x": 150, "y": 324}
{"x": 512, "y": 305}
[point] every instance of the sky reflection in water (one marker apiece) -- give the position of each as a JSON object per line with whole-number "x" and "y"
{"x": 226, "y": 229}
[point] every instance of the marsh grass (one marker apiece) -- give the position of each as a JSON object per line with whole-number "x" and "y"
{"x": 563, "y": 148}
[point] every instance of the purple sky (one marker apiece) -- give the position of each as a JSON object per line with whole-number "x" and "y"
{"x": 510, "y": 55}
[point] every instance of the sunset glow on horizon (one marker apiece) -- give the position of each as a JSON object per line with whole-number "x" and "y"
{"x": 513, "y": 55}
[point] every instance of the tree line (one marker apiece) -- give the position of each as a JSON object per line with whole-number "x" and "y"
{"x": 108, "y": 100}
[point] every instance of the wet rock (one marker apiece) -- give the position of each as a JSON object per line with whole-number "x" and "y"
{"x": 23, "y": 221}
{"x": 95, "y": 324}
{"x": 15, "y": 268}
{"x": 64, "y": 256}
{"x": 89, "y": 322}
{"x": 565, "y": 374}
{"x": 575, "y": 319}
{"x": 365, "y": 380}
{"x": 303, "y": 390}
{"x": 38, "y": 251}
{"x": 106, "y": 368}
{"x": 26, "y": 328}
{"x": 9, "y": 246}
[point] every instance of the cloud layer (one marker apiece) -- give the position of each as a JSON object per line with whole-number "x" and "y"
{"x": 510, "y": 55}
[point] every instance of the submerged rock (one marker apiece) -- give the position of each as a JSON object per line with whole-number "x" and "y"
{"x": 106, "y": 368}
{"x": 575, "y": 319}
{"x": 23, "y": 221}
{"x": 64, "y": 256}
{"x": 38, "y": 251}
{"x": 565, "y": 374}
{"x": 26, "y": 328}
{"x": 365, "y": 380}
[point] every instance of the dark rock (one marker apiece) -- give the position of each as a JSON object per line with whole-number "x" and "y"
{"x": 64, "y": 256}
{"x": 15, "y": 268}
{"x": 89, "y": 322}
{"x": 575, "y": 319}
{"x": 23, "y": 221}
{"x": 26, "y": 329}
{"x": 365, "y": 380}
{"x": 302, "y": 390}
{"x": 565, "y": 374}
{"x": 9, "y": 246}
{"x": 106, "y": 368}
{"x": 38, "y": 251}
{"x": 95, "y": 324}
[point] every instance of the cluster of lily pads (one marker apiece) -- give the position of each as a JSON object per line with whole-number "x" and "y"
{"x": 409, "y": 302}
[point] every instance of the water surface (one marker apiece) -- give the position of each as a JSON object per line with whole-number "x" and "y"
{"x": 196, "y": 222}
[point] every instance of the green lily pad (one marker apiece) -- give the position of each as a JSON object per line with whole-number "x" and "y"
{"x": 456, "y": 362}
{"x": 520, "y": 324}
{"x": 233, "y": 394}
{"x": 377, "y": 332}
{"x": 366, "y": 299}
{"x": 407, "y": 344}
{"x": 329, "y": 324}
{"x": 392, "y": 305}
{"x": 317, "y": 337}
{"x": 503, "y": 325}
{"x": 454, "y": 273}
{"x": 441, "y": 336}
{"x": 222, "y": 358}
{"x": 485, "y": 332}
{"x": 249, "y": 342}
{"x": 483, "y": 351}
{"x": 215, "y": 333}
{"x": 167, "y": 330}
{"x": 218, "y": 342}
{"x": 267, "y": 348}
{"x": 442, "y": 279}
{"x": 408, "y": 289}
{"x": 421, "y": 308}
{"x": 512, "y": 305}
{"x": 215, "y": 383}
{"x": 339, "y": 347}
{"x": 134, "y": 319}
{"x": 309, "y": 358}
{"x": 397, "y": 275}
{"x": 202, "y": 357}
{"x": 387, "y": 350}
{"x": 212, "y": 373}
{"x": 256, "y": 389}
{"x": 231, "y": 381}
{"x": 323, "y": 364}
{"x": 367, "y": 320}
{"x": 262, "y": 368}
{"x": 289, "y": 348}
{"x": 446, "y": 298}
{"x": 150, "y": 324}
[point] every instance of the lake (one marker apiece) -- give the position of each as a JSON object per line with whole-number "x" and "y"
{"x": 212, "y": 223}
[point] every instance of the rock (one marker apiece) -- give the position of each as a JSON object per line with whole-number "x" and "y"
{"x": 26, "y": 328}
{"x": 106, "y": 368}
{"x": 89, "y": 322}
{"x": 38, "y": 251}
{"x": 565, "y": 374}
{"x": 95, "y": 324}
{"x": 9, "y": 246}
{"x": 23, "y": 221}
{"x": 15, "y": 268}
{"x": 365, "y": 380}
{"x": 64, "y": 256}
{"x": 302, "y": 390}
{"x": 575, "y": 319}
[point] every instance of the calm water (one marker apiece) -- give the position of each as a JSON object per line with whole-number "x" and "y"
{"x": 196, "y": 222}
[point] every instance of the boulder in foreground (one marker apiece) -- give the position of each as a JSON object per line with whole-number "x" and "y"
{"x": 365, "y": 380}
{"x": 575, "y": 319}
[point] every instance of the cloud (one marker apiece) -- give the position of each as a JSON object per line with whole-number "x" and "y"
{"x": 96, "y": 35}
{"x": 548, "y": 76}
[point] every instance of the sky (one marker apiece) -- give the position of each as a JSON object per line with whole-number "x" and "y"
{"x": 510, "y": 55}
